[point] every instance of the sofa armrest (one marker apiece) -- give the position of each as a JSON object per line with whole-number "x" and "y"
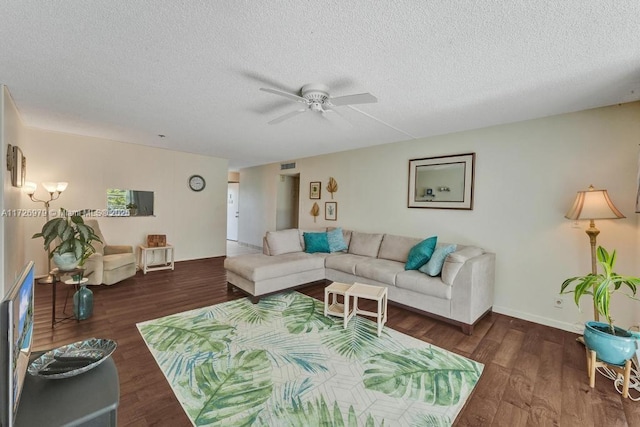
{"x": 117, "y": 249}
{"x": 473, "y": 288}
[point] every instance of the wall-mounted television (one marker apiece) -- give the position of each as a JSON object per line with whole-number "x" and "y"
{"x": 16, "y": 338}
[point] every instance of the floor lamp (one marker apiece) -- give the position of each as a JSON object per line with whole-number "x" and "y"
{"x": 54, "y": 189}
{"x": 593, "y": 204}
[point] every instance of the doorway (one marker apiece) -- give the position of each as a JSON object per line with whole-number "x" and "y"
{"x": 232, "y": 211}
{"x": 287, "y": 205}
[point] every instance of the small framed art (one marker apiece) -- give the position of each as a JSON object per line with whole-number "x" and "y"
{"x": 331, "y": 211}
{"x": 314, "y": 189}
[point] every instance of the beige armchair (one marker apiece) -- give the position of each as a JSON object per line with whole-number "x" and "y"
{"x": 110, "y": 264}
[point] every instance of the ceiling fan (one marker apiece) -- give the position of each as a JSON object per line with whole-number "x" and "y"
{"x": 316, "y": 98}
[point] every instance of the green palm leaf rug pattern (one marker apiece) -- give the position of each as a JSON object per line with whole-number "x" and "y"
{"x": 281, "y": 362}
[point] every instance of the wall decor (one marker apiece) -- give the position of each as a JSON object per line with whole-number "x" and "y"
{"x": 331, "y": 211}
{"x": 314, "y": 189}
{"x": 332, "y": 186}
{"x": 125, "y": 203}
{"x": 315, "y": 211}
{"x": 452, "y": 176}
{"x": 16, "y": 165}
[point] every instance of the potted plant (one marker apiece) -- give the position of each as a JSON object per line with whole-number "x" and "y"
{"x": 612, "y": 344}
{"x": 133, "y": 209}
{"x": 75, "y": 238}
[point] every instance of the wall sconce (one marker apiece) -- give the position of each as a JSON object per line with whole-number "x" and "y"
{"x": 17, "y": 165}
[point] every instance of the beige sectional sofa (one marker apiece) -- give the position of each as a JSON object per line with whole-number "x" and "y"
{"x": 461, "y": 294}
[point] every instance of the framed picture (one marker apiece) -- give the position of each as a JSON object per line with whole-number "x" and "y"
{"x": 444, "y": 182}
{"x": 331, "y": 211}
{"x": 314, "y": 189}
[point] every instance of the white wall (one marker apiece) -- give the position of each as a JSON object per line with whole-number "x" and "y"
{"x": 195, "y": 222}
{"x": 527, "y": 175}
{"x": 12, "y": 252}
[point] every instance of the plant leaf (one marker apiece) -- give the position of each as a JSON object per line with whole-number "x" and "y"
{"x": 177, "y": 333}
{"x": 427, "y": 375}
{"x": 230, "y": 388}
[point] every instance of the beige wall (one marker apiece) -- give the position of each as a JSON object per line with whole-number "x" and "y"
{"x": 12, "y": 252}
{"x": 195, "y": 222}
{"x": 527, "y": 175}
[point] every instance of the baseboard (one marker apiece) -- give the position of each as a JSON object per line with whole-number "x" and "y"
{"x": 577, "y": 327}
{"x": 248, "y": 245}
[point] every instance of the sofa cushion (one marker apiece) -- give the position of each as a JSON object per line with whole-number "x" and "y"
{"x": 433, "y": 267}
{"x": 344, "y": 262}
{"x": 453, "y": 263}
{"x": 283, "y": 241}
{"x": 420, "y": 253}
{"x": 413, "y": 280}
{"x": 336, "y": 241}
{"x": 316, "y": 242}
{"x": 256, "y": 267}
{"x": 380, "y": 270}
{"x": 365, "y": 244}
{"x": 396, "y": 248}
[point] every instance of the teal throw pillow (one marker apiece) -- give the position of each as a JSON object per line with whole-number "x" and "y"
{"x": 336, "y": 240}
{"x": 420, "y": 253}
{"x": 315, "y": 242}
{"x": 433, "y": 267}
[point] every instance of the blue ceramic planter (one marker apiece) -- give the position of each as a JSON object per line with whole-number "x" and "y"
{"x": 609, "y": 348}
{"x": 66, "y": 261}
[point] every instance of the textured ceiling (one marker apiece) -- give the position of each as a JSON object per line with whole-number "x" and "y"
{"x": 191, "y": 70}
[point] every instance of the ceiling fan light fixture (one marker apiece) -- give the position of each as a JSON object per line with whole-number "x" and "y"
{"x": 317, "y": 99}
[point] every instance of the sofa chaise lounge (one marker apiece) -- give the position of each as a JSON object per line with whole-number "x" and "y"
{"x": 461, "y": 294}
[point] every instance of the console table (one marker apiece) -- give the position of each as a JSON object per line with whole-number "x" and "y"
{"x": 167, "y": 260}
{"x": 88, "y": 399}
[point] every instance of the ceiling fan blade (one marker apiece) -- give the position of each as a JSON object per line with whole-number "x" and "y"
{"x": 360, "y": 98}
{"x": 285, "y": 94}
{"x": 286, "y": 116}
{"x": 344, "y": 120}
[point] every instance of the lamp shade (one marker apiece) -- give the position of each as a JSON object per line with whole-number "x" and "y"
{"x": 50, "y": 186}
{"x": 30, "y": 188}
{"x": 593, "y": 204}
{"x": 53, "y": 187}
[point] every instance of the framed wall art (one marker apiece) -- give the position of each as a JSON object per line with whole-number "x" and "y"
{"x": 444, "y": 182}
{"x": 331, "y": 211}
{"x": 314, "y": 189}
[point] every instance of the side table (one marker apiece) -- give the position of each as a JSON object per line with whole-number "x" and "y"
{"x": 56, "y": 274}
{"x": 332, "y": 306}
{"x": 370, "y": 292}
{"x": 168, "y": 260}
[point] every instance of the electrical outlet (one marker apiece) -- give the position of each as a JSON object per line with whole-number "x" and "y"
{"x": 558, "y": 302}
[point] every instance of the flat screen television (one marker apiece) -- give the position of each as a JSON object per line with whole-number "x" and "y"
{"x": 16, "y": 338}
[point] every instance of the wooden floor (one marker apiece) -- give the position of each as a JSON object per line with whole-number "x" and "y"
{"x": 534, "y": 375}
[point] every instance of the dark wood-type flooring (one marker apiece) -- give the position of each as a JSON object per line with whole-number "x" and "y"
{"x": 534, "y": 375}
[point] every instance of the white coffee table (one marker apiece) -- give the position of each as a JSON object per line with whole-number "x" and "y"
{"x": 370, "y": 292}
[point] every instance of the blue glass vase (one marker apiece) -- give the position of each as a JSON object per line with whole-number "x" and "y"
{"x": 83, "y": 303}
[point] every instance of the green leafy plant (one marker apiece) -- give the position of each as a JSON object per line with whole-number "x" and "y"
{"x": 73, "y": 234}
{"x": 132, "y": 206}
{"x": 602, "y": 286}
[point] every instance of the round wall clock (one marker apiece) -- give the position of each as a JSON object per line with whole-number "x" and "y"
{"x": 196, "y": 183}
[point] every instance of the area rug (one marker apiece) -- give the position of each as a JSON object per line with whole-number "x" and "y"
{"x": 283, "y": 363}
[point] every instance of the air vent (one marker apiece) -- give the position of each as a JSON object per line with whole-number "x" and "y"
{"x": 285, "y": 166}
